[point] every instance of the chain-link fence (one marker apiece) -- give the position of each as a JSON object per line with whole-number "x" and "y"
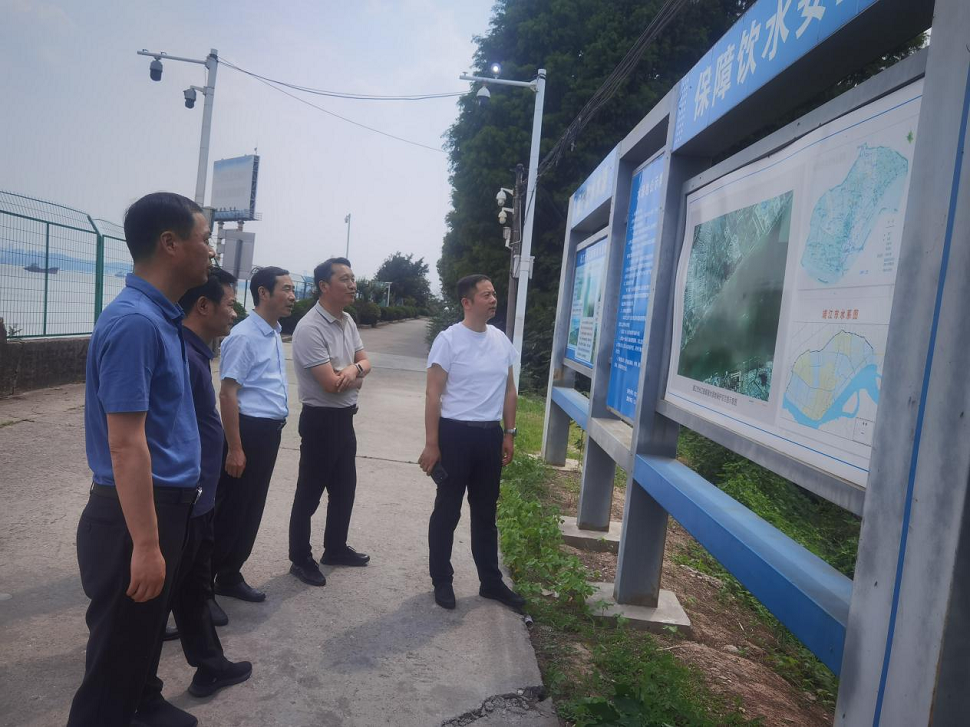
{"x": 58, "y": 267}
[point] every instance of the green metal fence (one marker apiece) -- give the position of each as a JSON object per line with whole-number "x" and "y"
{"x": 58, "y": 267}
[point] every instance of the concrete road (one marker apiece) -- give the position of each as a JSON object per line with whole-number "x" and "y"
{"x": 369, "y": 648}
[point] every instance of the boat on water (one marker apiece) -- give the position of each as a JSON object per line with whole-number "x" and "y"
{"x": 121, "y": 274}
{"x": 35, "y": 268}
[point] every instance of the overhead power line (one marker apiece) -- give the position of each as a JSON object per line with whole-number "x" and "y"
{"x": 612, "y": 83}
{"x": 271, "y": 84}
{"x": 341, "y": 94}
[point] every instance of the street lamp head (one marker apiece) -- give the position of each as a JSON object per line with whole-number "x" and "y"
{"x": 155, "y": 70}
{"x": 495, "y": 69}
{"x": 190, "y": 95}
{"x": 483, "y": 96}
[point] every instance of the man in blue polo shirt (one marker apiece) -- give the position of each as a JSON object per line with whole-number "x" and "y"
{"x": 143, "y": 447}
{"x": 209, "y": 314}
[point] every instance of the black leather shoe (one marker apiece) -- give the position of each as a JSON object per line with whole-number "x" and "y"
{"x": 242, "y": 590}
{"x": 309, "y": 573}
{"x": 503, "y": 594}
{"x": 347, "y": 556}
{"x": 219, "y": 617}
{"x": 207, "y": 682}
{"x": 171, "y": 633}
{"x": 444, "y": 595}
{"x": 162, "y": 714}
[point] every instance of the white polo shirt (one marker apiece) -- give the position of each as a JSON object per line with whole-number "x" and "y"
{"x": 478, "y": 370}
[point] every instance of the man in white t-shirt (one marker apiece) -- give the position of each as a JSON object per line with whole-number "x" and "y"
{"x": 469, "y": 420}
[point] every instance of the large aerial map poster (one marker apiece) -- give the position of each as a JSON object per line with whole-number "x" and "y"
{"x": 785, "y": 286}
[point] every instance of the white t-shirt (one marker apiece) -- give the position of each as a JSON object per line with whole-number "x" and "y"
{"x": 478, "y": 370}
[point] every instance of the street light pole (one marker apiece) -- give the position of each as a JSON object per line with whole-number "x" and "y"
{"x": 211, "y": 64}
{"x": 347, "y": 220}
{"x": 525, "y": 252}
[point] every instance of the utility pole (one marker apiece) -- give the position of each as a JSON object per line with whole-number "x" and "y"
{"x": 211, "y": 64}
{"x": 347, "y": 220}
{"x": 514, "y": 246}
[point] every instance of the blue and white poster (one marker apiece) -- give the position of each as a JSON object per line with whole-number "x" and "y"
{"x": 768, "y": 38}
{"x": 584, "y": 317}
{"x": 631, "y": 317}
{"x": 785, "y": 287}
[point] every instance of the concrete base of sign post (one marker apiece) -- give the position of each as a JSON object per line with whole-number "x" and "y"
{"x": 596, "y": 541}
{"x": 667, "y": 612}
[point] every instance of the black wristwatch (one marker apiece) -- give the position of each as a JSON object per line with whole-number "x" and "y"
{"x": 512, "y": 432}
{"x": 360, "y": 369}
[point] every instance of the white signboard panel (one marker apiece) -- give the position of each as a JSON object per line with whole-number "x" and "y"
{"x": 785, "y": 287}
{"x": 234, "y": 187}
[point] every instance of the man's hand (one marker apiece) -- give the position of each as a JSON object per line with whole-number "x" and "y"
{"x": 429, "y": 458}
{"x": 508, "y": 449}
{"x": 235, "y": 462}
{"x": 347, "y": 378}
{"x": 147, "y": 573}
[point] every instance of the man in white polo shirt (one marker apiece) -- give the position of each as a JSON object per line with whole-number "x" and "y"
{"x": 254, "y": 410}
{"x": 330, "y": 367}
{"x": 470, "y": 394}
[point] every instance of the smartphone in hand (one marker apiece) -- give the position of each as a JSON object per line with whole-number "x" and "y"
{"x": 438, "y": 473}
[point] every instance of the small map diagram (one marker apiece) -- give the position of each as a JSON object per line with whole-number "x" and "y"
{"x": 827, "y": 385}
{"x": 844, "y": 216}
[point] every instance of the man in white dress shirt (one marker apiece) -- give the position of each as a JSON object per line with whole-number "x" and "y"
{"x": 253, "y": 400}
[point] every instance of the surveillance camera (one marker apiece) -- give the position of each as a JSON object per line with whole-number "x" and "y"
{"x": 501, "y": 198}
{"x": 502, "y": 217}
{"x": 483, "y": 95}
{"x": 189, "y": 94}
{"x": 155, "y": 70}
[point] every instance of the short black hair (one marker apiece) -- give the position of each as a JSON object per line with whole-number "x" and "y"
{"x": 213, "y": 289}
{"x": 467, "y": 285}
{"x": 265, "y": 278}
{"x": 324, "y": 271}
{"x": 154, "y": 214}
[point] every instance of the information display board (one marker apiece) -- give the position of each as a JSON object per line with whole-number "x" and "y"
{"x": 785, "y": 285}
{"x": 234, "y": 188}
{"x": 584, "y": 315}
{"x": 631, "y": 317}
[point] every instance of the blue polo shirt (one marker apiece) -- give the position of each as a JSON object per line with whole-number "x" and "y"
{"x": 207, "y": 417}
{"x": 136, "y": 363}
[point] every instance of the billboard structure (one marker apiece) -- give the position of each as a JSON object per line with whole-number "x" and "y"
{"x": 234, "y": 188}
{"x": 799, "y": 300}
{"x": 237, "y": 256}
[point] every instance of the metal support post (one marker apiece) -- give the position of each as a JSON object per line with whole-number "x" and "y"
{"x": 211, "y": 66}
{"x": 525, "y": 254}
{"x": 908, "y": 638}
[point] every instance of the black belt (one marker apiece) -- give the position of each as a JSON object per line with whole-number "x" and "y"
{"x": 274, "y": 424}
{"x": 175, "y": 495}
{"x": 347, "y": 410}
{"x": 476, "y": 425}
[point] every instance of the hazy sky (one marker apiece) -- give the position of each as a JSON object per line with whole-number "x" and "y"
{"x": 83, "y": 125}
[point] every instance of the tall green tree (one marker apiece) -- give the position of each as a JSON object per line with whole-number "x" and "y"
{"x": 578, "y": 42}
{"x": 409, "y": 278}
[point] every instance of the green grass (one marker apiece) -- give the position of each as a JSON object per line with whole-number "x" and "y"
{"x": 632, "y": 681}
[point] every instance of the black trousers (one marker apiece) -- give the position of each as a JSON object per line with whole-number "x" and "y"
{"x": 190, "y": 591}
{"x": 124, "y": 635}
{"x": 240, "y": 501}
{"x": 472, "y": 457}
{"x": 328, "y": 451}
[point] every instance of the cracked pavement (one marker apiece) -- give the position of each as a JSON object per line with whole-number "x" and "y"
{"x": 369, "y": 648}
